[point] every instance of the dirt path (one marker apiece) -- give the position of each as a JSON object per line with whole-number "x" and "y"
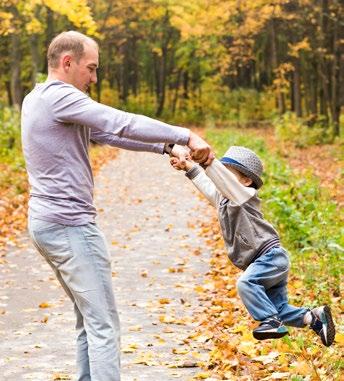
{"x": 148, "y": 213}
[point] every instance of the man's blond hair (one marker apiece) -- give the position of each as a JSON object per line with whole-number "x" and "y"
{"x": 68, "y": 42}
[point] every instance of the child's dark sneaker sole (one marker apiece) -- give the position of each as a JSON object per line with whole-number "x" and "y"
{"x": 327, "y": 336}
{"x": 269, "y": 335}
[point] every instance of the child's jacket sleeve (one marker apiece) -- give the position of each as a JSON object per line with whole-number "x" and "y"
{"x": 197, "y": 175}
{"x": 217, "y": 182}
{"x": 228, "y": 184}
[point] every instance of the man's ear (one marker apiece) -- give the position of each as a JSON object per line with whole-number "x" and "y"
{"x": 66, "y": 61}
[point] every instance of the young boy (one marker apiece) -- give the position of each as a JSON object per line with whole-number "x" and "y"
{"x": 253, "y": 245}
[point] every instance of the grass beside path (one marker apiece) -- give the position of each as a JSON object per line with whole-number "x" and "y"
{"x": 312, "y": 230}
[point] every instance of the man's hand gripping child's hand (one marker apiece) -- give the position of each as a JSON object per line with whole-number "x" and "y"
{"x": 181, "y": 165}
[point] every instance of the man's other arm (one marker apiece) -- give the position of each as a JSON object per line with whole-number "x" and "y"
{"x": 102, "y": 137}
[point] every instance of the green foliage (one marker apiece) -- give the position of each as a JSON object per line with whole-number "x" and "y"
{"x": 307, "y": 220}
{"x": 215, "y": 102}
{"x": 9, "y": 133}
{"x": 12, "y": 169}
{"x": 41, "y": 77}
{"x": 303, "y": 132}
{"x": 218, "y": 104}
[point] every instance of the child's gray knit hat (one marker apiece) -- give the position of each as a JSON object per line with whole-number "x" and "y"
{"x": 246, "y": 162}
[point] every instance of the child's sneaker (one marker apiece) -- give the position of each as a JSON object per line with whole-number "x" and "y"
{"x": 322, "y": 324}
{"x": 271, "y": 328}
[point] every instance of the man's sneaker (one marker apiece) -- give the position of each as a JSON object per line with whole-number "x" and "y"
{"x": 270, "y": 328}
{"x": 322, "y": 324}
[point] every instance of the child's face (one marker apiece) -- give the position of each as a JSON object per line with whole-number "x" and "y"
{"x": 244, "y": 180}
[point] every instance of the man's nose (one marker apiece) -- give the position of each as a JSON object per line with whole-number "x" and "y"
{"x": 94, "y": 78}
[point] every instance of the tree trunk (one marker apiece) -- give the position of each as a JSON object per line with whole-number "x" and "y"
{"x": 9, "y": 93}
{"x": 274, "y": 62}
{"x": 124, "y": 74}
{"x": 162, "y": 82}
{"x": 16, "y": 85}
{"x": 313, "y": 89}
{"x": 35, "y": 63}
{"x": 324, "y": 91}
{"x": 176, "y": 91}
{"x": 134, "y": 77}
{"x": 49, "y": 34}
{"x": 186, "y": 85}
{"x": 335, "y": 88}
{"x": 297, "y": 88}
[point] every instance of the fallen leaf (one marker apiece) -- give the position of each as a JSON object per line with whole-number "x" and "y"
{"x": 135, "y": 328}
{"x": 164, "y": 301}
{"x": 130, "y": 348}
{"x": 45, "y": 305}
{"x": 60, "y": 376}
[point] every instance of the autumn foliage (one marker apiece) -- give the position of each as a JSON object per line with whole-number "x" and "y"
{"x": 191, "y": 60}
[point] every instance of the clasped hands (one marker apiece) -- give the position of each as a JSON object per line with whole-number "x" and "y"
{"x": 199, "y": 152}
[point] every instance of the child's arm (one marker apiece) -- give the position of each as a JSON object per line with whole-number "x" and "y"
{"x": 228, "y": 184}
{"x": 197, "y": 175}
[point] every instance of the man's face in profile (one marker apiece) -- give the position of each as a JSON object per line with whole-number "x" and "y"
{"x": 84, "y": 72}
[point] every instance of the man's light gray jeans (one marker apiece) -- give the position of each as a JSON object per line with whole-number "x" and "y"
{"x": 80, "y": 259}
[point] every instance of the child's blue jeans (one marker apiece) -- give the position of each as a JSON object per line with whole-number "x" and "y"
{"x": 263, "y": 289}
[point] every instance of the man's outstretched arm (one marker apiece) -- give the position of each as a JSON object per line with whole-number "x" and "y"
{"x": 112, "y": 140}
{"x": 69, "y": 105}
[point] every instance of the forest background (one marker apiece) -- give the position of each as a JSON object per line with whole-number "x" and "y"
{"x": 225, "y": 65}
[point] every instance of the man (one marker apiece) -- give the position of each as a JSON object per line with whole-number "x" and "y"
{"x": 58, "y": 121}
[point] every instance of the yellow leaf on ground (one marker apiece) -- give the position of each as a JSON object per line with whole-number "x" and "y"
{"x": 277, "y": 376}
{"x": 266, "y": 359}
{"x": 146, "y": 359}
{"x": 180, "y": 351}
{"x": 248, "y": 348}
{"x": 164, "y": 301}
{"x": 45, "y": 305}
{"x": 199, "y": 289}
{"x": 167, "y": 319}
{"x": 60, "y": 376}
{"x": 339, "y": 338}
{"x": 202, "y": 376}
{"x": 301, "y": 368}
{"x": 135, "y": 328}
{"x": 130, "y": 348}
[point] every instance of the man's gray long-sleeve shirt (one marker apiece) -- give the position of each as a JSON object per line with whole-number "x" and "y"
{"x": 58, "y": 122}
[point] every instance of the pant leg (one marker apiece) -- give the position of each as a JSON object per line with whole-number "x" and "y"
{"x": 82, "y": 360}
{"x": 290, "y": 315}
{"x": 82, "y": 260}
{"x": 267, "y": 271}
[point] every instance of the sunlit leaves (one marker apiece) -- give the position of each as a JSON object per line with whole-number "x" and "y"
{"x": 28, "y": 15}
{"x": 77, "y": 11}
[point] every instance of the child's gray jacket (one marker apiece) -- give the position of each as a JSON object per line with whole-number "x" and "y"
{"x": 246, "y": 233}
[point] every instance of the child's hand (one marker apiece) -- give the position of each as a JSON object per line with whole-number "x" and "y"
{"x": 181, "y": 165}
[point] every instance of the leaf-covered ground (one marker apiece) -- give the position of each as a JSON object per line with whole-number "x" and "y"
{"x": 167, "y": 332}
{"x": 235, "y": 354}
